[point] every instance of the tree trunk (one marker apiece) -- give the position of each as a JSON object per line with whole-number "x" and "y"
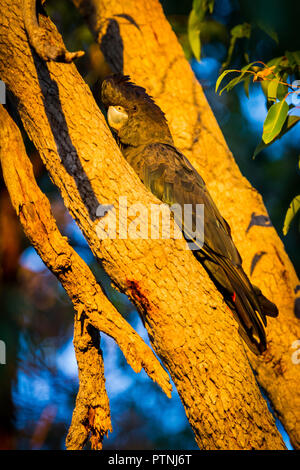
{"x": 137, "y": 40}
{"x": 189, "y": 325}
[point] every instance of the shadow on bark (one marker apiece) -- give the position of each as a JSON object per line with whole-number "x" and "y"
{"x": 65, "y": 148}
{"x": 112, "y": 46}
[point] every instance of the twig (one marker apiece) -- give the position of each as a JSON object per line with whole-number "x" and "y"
{"x": 46, "y": 46}
{"x": 91, "y": 415}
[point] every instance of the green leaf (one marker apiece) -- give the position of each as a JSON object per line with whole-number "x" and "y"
{"x": 247, "y": 84}
{"x": 241, "y": 31}
{"x": 289, "y": 123}
{"x": 220, "y": 78}
{"x": 248, "y": 66}
{"x": 282, "y": 91}
{"x": 231, "y": 84}
{"x": 210, "y": 5}
{"x": 297, "y": 57}
{"x": 237, "y": 32}
{"x": 261, "y": 146}
{"x": 290, "y": 57}
{"x": 290, "y": 214}
{"x": 196, "y": 22}
{"x": 293, "y": 59}
{"x": 246, "y": 56}
{"x": 194, "y": 27}
{"x": 272, "y": 89}
{"x": 277, "y": 61}
{"x": 264, "y": 86}
{"x": 274, "y": 121}
{"x": 235, "y": 80}
{"x": 200, "y": 8}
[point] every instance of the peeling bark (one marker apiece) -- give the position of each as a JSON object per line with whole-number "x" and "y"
{"x": 188, "y": 323}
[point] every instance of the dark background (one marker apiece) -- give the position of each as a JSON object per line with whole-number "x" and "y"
{"x": 38, "y": 383}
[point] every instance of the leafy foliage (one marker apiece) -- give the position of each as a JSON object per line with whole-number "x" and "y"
{"x": 288, "y": 125}
{"x": 275, "y": 78}
{"x": 196, "y": 22}
{"x": 274, "y": 121}
{"x": 290, "y": 214}
{"x": 237, "y": 32}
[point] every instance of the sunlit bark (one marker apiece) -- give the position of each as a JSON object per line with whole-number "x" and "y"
{"x": 137, "y": 40}
{"x": 188, "y": 323}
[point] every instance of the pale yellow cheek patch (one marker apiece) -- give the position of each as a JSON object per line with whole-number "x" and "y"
{"x": 117, "y": 117}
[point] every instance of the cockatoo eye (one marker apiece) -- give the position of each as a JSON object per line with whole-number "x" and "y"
{"x": 117, "y": 117}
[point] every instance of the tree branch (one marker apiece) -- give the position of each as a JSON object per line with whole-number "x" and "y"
{"x": 41, "y": 40}
{"x": 188, "y": 323}
{"x": 137, "y": 40}
{"x": 91, "y": 415}
{"x": 92, "y": 408}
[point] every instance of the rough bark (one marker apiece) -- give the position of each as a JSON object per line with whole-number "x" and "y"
{"x": 188, "y": 323}
{"x": 136, "y": 39}
{"x": 40, "y": 40}
{"x": 93, "y": 310}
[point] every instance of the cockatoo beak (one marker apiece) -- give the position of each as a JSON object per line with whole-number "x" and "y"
{"x": 117, "y": 117}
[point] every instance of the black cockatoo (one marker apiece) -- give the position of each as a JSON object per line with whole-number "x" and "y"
{"x": 146, "y": 143}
